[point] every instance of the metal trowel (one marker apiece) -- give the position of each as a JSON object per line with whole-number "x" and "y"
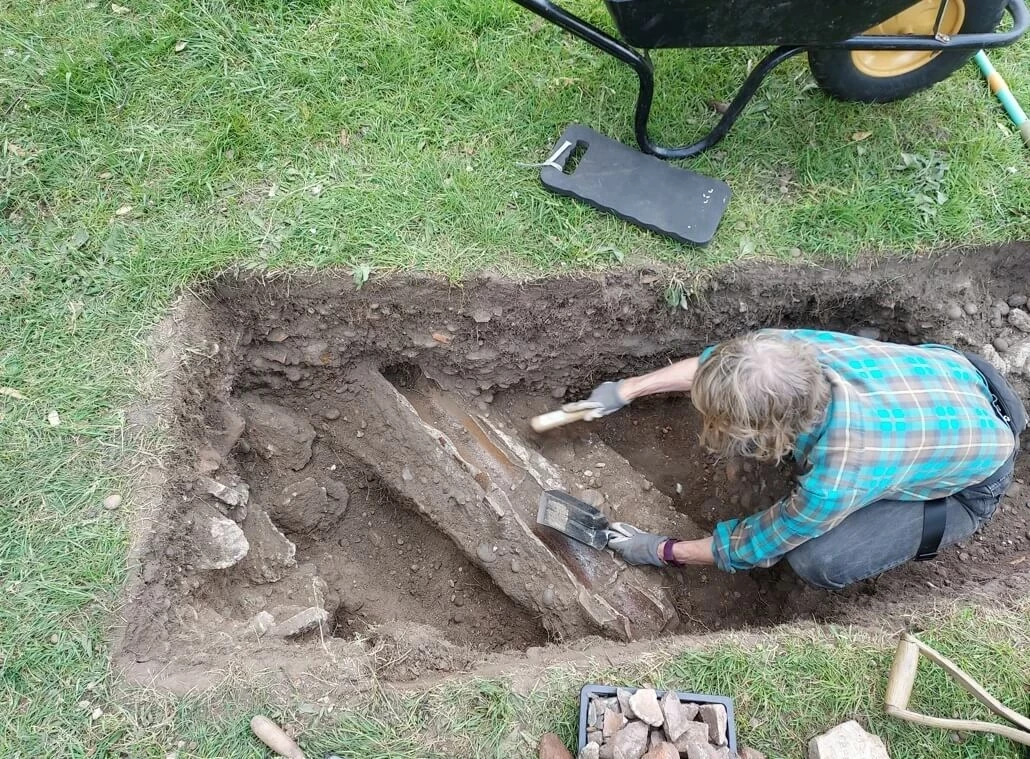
{"x": 574, "y": 518}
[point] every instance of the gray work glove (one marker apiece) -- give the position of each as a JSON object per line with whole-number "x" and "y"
{"x": 635, "y": 546}
{"x": 606, "y": 399}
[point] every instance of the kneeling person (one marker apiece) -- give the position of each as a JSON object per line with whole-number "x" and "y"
{"x": 907, "y": 449}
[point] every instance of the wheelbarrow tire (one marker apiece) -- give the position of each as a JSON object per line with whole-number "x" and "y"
{"x": 836, "y": 73}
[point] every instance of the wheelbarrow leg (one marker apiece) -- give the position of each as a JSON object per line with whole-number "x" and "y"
{"x": 645, "y": 74}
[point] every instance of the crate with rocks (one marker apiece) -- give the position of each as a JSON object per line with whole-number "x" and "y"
{"x": 644, "y": 723}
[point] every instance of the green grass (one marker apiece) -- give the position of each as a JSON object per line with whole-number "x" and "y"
{"x": 318, "y": 133}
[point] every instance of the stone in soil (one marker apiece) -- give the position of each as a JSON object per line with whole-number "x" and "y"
{"x": 631, "y": 741}
{"x": 215, "y": 541}
{"x": 233, "y": 495}
{"x": 955, "y": 311}
{"x": 271, "y": 553}
{"x": 750, "y": 753}
{"x": 259, "y": 624}
{"x": 646, "y": 707}
{"x": 714, "y": 715}
{"x": 847, "y": 741}
{"x": 301, "y": 622}
{"x": 1019, "y": 319}
{"x": 305, "y": 508}
{"x": 275, "y": 432}
{"x": 551, "y": 747}
{"x": 677, "y": 715}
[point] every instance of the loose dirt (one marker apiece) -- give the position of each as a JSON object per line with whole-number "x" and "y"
{"x": 371, "y": 449}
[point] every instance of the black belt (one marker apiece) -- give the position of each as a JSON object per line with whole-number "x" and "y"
{"x": 935, "y": 519}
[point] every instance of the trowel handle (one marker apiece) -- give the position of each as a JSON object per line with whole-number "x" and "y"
{"x": 559, "y": 418}
{"x": 275, "y": 738}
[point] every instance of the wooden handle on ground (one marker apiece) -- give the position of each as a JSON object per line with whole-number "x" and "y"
{"x": 903, "y": 676}
{"x": 559, "y": 418}
{"x": 275, "y": 738}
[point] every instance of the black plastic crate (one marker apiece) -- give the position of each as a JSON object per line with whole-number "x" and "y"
{"x": 608, "y": 691}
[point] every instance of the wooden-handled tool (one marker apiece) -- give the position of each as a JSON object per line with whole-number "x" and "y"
{"x": 903, "y": 677}
{"x": 275, "y": 738}
{"x": 559, "y": 418}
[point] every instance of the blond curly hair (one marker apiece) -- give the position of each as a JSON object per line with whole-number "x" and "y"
{"x": 758, "y": 393}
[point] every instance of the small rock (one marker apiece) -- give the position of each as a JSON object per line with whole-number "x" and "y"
{"x": 259, "y": 624}
{"x": 750, "y": 753}
{"x": 277, "y": 335}
{"x": 663, "y": 750}
{"x": 54, "y": 419}
{"x": 594, "y": 735}
{"x": 677, "y": 715}
{"x": 963, "y": 556}
{"x": 112, "y": 502}
{"x": 516, "y": 566}
{"x": 631, "y": 741}
{"x": 559, "y": 392}
{"x": 1001, "y": 344}
{"x": 331, "y": 413}
{"x": 486, "y": 553}
{"x": 714, "y": 715}
{"x": 1019, "y": 319}
{"x": 593, "y": 497}
{"x": 695, "y": 733}
{"x": 300, "y": 623}
{"x": 869, "y": 333}
{"x": 955, "y": 311}
{"x": 481, "y": 316}
{"x": 697, "y": 751}
{"x": 971, "y": 308}
{"x": 375, "y": 539}
{"x": 551, "y": 747}
{"x": 623, "y": 695}
{"x": 217, "y": 542}
{"x": 1001, "y": 307}
{"x": 590, "y": 751}
{"x": 847, "y": 741}
{"x": 795, "y": 252}
{"x": 547, "y": 599}
{"x": 645, "y": 706}
{"x": 613, "y": 723}
{"x": 1017, "y": 301}
{"x": 232, "y": 495}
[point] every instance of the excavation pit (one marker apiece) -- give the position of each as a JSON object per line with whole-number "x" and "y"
{"x": 352, "y": 485}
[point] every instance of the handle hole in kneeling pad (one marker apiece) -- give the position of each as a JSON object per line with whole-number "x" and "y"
{"x": 575, "y": 156}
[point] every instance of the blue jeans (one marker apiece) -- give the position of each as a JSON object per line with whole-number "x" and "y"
{"x": 886, "y": 534}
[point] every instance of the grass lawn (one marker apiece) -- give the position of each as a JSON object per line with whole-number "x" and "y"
{"x": 146, "y": 146}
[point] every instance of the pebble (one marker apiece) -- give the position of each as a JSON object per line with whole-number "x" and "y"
{"x": 795, "y": 252}
{"x": 331, "y": 413}
{"x": 593, "y": 497}
{"x": 1017, "y": 301}
{"x": 1019, "y": 319}
{"x": 869, "y": 333}
{"x": 1001, "y": 344}
{"x": 486, "y": 554}
{"x": 971, "y": 308}
{"x": 964, "y": 556}
{"x": 113, "y": 501}
{"x": 516, "y": 566}
{"x": 548, "y": 599}
{"x": 955, "y": 311}
{"x": 1001, "y": 307}
{"x": 559, "y": 392}
{"x": 481, "y": 316}
{"x": 376, "y": 539}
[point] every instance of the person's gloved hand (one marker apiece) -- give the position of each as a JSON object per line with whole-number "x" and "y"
{"x": 636, "y": 546}
{"x": 606, "y": 399}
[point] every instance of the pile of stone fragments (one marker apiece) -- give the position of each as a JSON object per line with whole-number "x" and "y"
{"x": 634, "y": 725}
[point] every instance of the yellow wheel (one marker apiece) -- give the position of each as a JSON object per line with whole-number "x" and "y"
{"x": 879, "y": 76}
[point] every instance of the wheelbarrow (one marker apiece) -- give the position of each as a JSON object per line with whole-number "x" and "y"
{"x": 870, "y": 51}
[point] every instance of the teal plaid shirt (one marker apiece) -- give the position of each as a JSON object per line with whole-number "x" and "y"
{"x": 905, "y": 423}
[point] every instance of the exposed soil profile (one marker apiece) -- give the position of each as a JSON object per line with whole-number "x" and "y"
{"x": 352, "y": 488}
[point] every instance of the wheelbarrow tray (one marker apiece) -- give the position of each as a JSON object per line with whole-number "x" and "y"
{"x": 651, "y": 24}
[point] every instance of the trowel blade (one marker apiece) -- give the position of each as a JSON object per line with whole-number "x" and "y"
{"x": 572, "y": 517}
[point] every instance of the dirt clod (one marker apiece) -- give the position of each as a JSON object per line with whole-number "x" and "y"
{"x": 276, "y": 432}
{"x": 216, "y": 542}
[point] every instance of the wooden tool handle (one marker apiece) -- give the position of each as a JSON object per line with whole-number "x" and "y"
{"x": 275, "y": 738}
{"x": 903, "y": 675}
{"x": 559, "y": 418}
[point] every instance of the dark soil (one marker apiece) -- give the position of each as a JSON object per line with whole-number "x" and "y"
{"x": 384, "y": 432}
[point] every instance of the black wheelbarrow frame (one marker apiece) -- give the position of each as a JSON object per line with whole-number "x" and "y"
{"x": 641, "y": 63}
